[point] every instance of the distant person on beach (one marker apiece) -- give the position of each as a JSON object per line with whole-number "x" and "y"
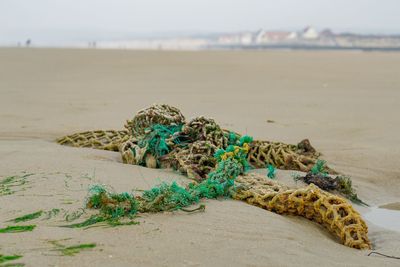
{"x": 92, "y": 44}
{"x": 28, "y": 43}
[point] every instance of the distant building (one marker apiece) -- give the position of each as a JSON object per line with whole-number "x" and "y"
{"x": 258, "y": 36}
{"x": 240, "y": 38}
{"x": 326, "y": 33}
{"x": 309, "y": 33}
{"x": 262, "y": 37}
{"x": 293, "y": 36}
{"x": 229, "y": 39}
{"x": 246, "y": 38}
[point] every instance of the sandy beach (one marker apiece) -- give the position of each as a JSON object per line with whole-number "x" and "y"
{"x": 346, "y": 103}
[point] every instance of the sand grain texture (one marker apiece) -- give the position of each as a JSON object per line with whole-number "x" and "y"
{"x": 346, "y": 103}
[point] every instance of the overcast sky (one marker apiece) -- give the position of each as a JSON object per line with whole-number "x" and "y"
{"x": 21, "y": 17}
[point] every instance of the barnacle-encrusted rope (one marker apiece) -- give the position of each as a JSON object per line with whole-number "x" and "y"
{"x": 331, "y": 211}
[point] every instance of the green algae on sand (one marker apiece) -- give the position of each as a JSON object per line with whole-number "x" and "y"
{"x": 17, "y": 229}
{"x": 71, "y": 250}
{"x": 28, "y": 217}
{"x": 8, "y": 183}
{"x": 5, "y": 258}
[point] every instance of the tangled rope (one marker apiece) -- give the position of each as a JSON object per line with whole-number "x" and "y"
{"x": 282, "y": 156}
{"x": 159, "y": 137}
{"x": 100, "y": 139}
{"x": 168, "y": 197}
{"x": 130, "y": 143}
{"x": 155, "y": 114}
{"x": 331, "y": 211}
{"x": 194, "y": 161}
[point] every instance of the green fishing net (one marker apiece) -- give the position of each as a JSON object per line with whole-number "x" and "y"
{"x": 155, "y": 139}
{"x": 169, "y": 197}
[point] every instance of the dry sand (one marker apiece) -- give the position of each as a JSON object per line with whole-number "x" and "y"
{"x": 346, "y": 103}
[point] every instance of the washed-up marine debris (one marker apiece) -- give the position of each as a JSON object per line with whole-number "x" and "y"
{"x": 100, "y": 139}
{"x": 282, "y": 156}
{"x": 168, "y": 197}
{"x": 155, "y": 114}
{"x": 160, "y": 137}
{"x": 331, "y": 211}
{"x": 319, "y": 176}
{"x": 178, "y": 140}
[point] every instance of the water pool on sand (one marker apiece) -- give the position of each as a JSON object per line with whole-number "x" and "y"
{"x": 386, "y": 216}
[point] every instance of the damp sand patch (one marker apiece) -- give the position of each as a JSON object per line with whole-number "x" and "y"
{"x": 386, "y": 216}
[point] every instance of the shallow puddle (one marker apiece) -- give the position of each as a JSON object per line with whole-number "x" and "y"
{"x": 386, "y": 216}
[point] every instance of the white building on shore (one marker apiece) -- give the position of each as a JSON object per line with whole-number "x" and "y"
{"x": 263, "y": 37}
{"x": 309, "y": 33}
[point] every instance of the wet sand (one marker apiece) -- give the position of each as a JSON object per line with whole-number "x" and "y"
{"x": 346, "y": 103}
{"x": 391, "y": 206}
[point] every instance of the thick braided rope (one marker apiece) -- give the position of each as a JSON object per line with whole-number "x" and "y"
{"x": 331, "y": 211}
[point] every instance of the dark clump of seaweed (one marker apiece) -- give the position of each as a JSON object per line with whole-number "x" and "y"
{"x": 28, "y": 217}
{"x": 340, "y": 184}
{"x": 169, "y": 197}
{"x": 17, "y": 229}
